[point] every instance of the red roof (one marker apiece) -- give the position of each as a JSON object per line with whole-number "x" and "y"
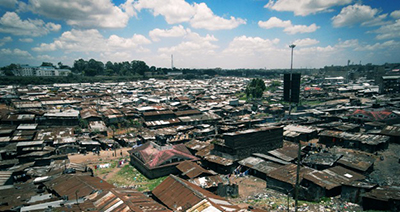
{"x": 154, "y": 156}
{"x": 374, "y": 115}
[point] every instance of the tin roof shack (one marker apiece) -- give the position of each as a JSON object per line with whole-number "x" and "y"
{"x": 204, "y": 118}
{"x": 190, "y": 170}
{"x": 385, "y": 116}
{"x": 155, "y": 161}
{"x": 89, "y": 145}
{"x": 181, "y": 195}
{"x": 360, "y": 162}
{"x": 118, "y": 199}
{"x": 76, "y": 186}
{"x": 355, "y": 190}
{"x": 29, "y": 146}
{"x": 259, "y": 167}
{"x": 298, "y": 133}
{"x": 284, "y": 178}
{"x": 15, "y": 119}
{"x": 365, "y": 142}
{"x": 326, "y": 183}
{"x": 382, "y": 198}
{"x": 158, "y": 115}
{"x": 63, "y": 118}
{"x": 340, "y": 126}
{"x": 90, "y": 114}
{"x": 321, "y": 160}
{"x": 97, "y": 127}
{"x": 287, "y": 153}
{"x": 393, "y": 132}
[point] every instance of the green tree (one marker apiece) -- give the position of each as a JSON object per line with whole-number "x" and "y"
{"x": 255, "y": 88}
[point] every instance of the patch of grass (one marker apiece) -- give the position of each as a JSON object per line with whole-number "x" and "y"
{"x": 129, "y": 176}
{"x": 102, "y": 171}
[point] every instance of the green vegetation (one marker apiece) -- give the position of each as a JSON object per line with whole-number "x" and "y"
{"x": 274, "y": 86}
{"x": 129, "y": 176}
{"x": 102, "y": 171}
{"x": 311, "y": 103}
{"x": 255, "y": 88}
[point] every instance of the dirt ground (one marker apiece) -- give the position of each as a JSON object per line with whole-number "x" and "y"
{"x": 104, "y": 156}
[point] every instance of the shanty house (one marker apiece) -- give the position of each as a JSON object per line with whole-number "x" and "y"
{"x": 154, "y": 160}
{"x": 181, "y": 195}
{"x": 326, "y": 183}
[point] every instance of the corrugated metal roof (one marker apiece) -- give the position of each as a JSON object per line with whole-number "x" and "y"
{"x": 177, "y": 194}
{"x": 191, "y": 169}
{"x": 72, "y": 185}
{"x": 333, "y": 177}
{"x": 288, "y": 172}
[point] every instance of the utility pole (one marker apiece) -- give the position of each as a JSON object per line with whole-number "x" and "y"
{"x": 291, "y": 73}
{"x": 297, "y": 177}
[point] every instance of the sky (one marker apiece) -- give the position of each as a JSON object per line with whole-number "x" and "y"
{"x": 226, "y": 34}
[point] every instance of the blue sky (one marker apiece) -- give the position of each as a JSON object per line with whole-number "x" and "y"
{"x": 201, "y": 34}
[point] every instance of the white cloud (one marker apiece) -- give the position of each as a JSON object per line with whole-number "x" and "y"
{"x": 274, "y": 22}
{"x": 395, "y": 14}
{"x": 245, "y": 46}
{"x": 305, "y": 7}
{"x": 389, "y": 31}
{"x": 26, "y": 40}
{"x": 358, "y": 14}
{"x": 353, "y": 43}
{"x": 391, "y": 44}
{"x": 174, "y": 11}
{"x": 176, "y": 31}
{"x": 194, "y": 44}
{"x": 83, "y": 13}
{"x": 179, "y": 11}
{"x": 5, "y": 40}
{"x": 305, "y": 42}
{"x": 92, "y": 41}
{"x": 128, "y": 8}
{"x": 15, "y": 53}
{"x": 11, "y": 23}
{"x": 8, "y": 3}
{"x": 205, "y": 19}
{"x": 289, "y": 28}
{"x": 301, "y": 29}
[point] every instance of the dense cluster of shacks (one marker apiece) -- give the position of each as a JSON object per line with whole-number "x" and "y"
{"x": 200, "y": 134}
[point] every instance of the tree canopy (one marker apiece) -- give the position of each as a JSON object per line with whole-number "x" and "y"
{"x": 255, "y": 88}
{"x": 93, "y": 68}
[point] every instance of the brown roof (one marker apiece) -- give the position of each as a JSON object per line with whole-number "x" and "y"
{"x": 333, "y": 177}
{"x": 288, "y": 173}
{"x": 118, "y": 199}
{"x": 191, "y": 169}
{"x": 177, "y": 193}
{"x": 187, "y": 112}
{"x": 72, "y": 185}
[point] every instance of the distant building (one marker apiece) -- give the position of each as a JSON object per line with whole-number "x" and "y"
{"x": 39, "y": 71}
{"x": 389, "y": 84}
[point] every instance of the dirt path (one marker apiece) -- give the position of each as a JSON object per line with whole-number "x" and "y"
{"x": 104, "y": 156}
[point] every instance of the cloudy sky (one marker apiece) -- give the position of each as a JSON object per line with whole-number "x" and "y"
{"x": 201, "y": 33}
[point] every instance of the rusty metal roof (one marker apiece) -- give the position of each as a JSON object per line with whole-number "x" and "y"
{"x": 191, "y": 169}
{"x": 179, "y": 194}
{"x": 75, "y": 185}
{"x": 125, "y": 200}
{"x": 333, "y": 177}
{"x": 287, "y": 173}
{"x": 384, "y": 193}
{"x": 357, "y": 161}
